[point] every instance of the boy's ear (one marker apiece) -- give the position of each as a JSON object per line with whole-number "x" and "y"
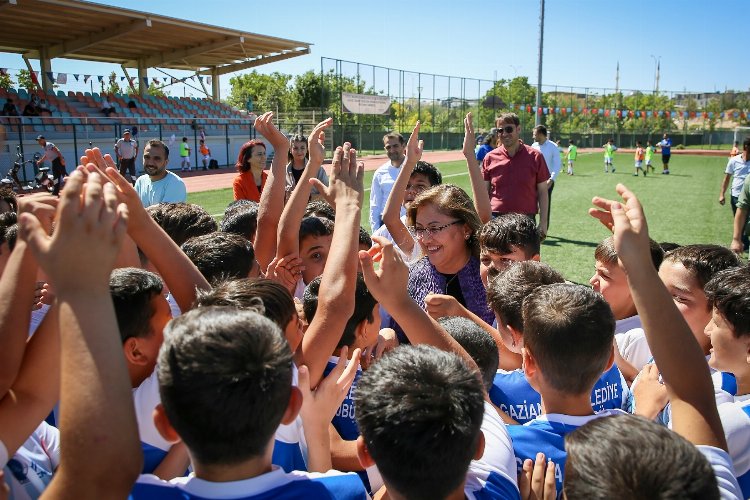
{"x": 528, "y": 363}
{"x": 293, "y": 407}
{"x": 480, "y": 446}
{"x": 517, "y": 336}
{"x": 747, "y": 348}
{"x": 611, "y": 359}
{"x": 164, "y": 426}
{"x": 536, "y": 257}
{"x": 133, "y": 354}
{"x": 363, "y": 453}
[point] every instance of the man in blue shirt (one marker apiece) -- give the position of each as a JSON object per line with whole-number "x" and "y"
{"x": 666, "y": 152}
{"x": 159, "y": 185}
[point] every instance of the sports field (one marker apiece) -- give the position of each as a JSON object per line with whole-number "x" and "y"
{"x": 681, "y": 207}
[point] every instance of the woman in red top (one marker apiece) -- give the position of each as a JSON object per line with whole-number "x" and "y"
{"x": 251, "y": 163}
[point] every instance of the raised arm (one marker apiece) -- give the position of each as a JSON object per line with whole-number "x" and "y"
{"x": 677, "y": 354}
{"x": 291, "y": 218}
{"x": 336, "y": 295}
{"x": 272, "y": 197}
{"x": 392, "y": 212}
{"x": 479, "y": 188}
{"x": 100, "y": 452}
{"x": 179, "y": 273}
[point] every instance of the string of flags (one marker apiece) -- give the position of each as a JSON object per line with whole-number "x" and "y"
{"x": 63, "y": 78}
{"x": 627, "y": 113}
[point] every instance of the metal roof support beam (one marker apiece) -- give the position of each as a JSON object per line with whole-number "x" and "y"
{"x": 215, "y": 88}
{"x": 84, "y": 42}
{"x": 45, "y": 65}
{"x": 176, "y": 55}
{"x": 142, "y": 78}
{"x": 231, "y": 68}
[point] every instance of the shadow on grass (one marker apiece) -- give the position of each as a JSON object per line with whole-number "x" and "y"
{"x": 556, "y": 241}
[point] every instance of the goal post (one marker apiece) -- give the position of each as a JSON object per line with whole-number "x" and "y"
{"x": 740, "y": 133}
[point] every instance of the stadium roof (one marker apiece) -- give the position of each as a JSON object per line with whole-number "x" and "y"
{"x": 76, "y": 29}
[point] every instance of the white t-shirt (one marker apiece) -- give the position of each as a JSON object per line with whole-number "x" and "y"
{"x": 551, "y": 153}
{"x": 738, "y": 168}
{"x": 145, "y": 399}
{"x": 382, "y": 184}
{"x": 30, "y": 469}
{"x": 631, "y": 342}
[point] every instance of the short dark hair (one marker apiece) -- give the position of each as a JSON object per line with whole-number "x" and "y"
{"x": 569, "y": 329}
{"x": 510, "y": 118}
{"x": 506, "y": 292}
{"x": 430, "y": 171}
{"x": 432, "y": 425}
{"x": 265, "y": 296}
{"x": 158, "y": 143}
{"x": 11, "y": 235}
{"x": 242, "y": 220}
{"x": 703, "y": 261}
{"x": 182, "y": 221}
{"x": 219, "y": 363}
{"x": 364, "y": 237}
{"x": 729, "y": 292}
{"x": 746, "y": 144}
{"x": 668, "y": 246}
{"x": 477, "y": 342}
{"x": 8, "y": 196}
{"x": 541, "y": 129}
{"x": 237, "y": 204}
{"x": 394, "y": 135}
{"x": 509, "y": 230}
{"x": 220, "y": 256}
{"x": 320, "y": 208}
{"x": 364, "y": 303}
{"x": 131, "y": 290}
{"x": 315, "y": 226}
{"x": 605, "y": 252}
{"x": 630, "y": 457}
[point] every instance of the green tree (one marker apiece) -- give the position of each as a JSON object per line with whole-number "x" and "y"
{"x": 268, "y": 92}
{"x": 24, "y": 80}
{"x": 6, "y": 81}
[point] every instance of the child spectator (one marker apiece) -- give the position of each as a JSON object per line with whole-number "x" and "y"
{"x": 185, "y": 155}
{"x": 242, "y": 220}
{"x": 506, "y": 239}
{"x": 182, "y": 221}
{"x": 221, "y": 256}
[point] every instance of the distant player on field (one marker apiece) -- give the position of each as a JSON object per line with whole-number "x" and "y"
{"x": 572, "y": 155}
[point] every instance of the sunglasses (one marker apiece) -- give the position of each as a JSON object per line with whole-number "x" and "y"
{"x": 508, "y": 129}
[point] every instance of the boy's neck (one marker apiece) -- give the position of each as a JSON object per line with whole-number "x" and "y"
{"x": 743, "y": 382}
{"x": 391, "y": 494}
{"x": 223, "y": 473}
{"x": 566, "y": 404}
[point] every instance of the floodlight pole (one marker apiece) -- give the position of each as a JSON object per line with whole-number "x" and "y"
{"x": 538, "y": 117}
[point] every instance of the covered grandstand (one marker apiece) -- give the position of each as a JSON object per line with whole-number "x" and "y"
{"x": 74, "y": 29}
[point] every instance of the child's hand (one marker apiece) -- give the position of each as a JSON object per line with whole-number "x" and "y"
{"x": 319, "y": 406}
{"x": 439, "y": 306}
{"x": 387, "y": 341}
{"x": 628, "y": 223}
{"x": 264, "y": 125}
{"x": 537, "y": 479}
{"x": 43, "y": 206}
{"x": 89, "y": 217}
{"x": 650, "y": 393}
{"x": 345, "y": 186}
{"x": 286, "y": 271}
{"x": 316, "y": 143}
{"x": 469, "y": 139}
{"x": 388, "y": 284}
{"x": 414, "y": 147}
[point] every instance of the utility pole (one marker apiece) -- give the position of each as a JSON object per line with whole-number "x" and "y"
{"x": 538, "y": 119}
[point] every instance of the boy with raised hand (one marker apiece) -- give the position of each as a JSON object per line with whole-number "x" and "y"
{"x": 607, "y": 458}
{"x": 400, "y": 393}
{"x": 98, "y": 427}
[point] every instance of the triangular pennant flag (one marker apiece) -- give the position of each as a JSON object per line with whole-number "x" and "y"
{"x": 122, "y": 78}
{"x": 208, "y": 80}
{"x": 145, "y": 81}
{"x": 76, "y": 76}
{"x": 155, "y": 80}
{"x": 100, "y": 78}
{"x": 50, "y": 76}
{"x": 34, "y": 77}
{"x": 3, "y": 71}
{"x": 86, "y": 78}
{"x": 173, "y": 80}
{"x": 62, "y": 78}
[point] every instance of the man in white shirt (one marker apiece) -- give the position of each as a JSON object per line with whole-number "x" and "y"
{"x": 384, "y": 177}
{"x": 551, "y": 154}
{"x": 126, "y": 150}
{"x": 737, "y": 169}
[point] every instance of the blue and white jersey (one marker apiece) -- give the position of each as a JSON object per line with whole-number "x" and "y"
{"x": 735, "y": 418}
{"x": 493, "y": 475}
{"x": 29, "y": 471}
{"x": 721, "y": 463}
{"x": 546, "y": 434}
{"x": 344, "y": 420}
{"x": 145, "y": 399}
{"x": 513, "y": 394}
{"x": 290, "y": 446}
{"x": 665, "y": 145}
{"x": 273, "y": 485}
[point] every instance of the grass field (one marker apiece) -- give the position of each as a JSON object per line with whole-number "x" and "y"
{"x": 681, "y": 207}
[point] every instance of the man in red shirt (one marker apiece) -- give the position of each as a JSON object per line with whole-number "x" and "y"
{"x": 516, "y": 175}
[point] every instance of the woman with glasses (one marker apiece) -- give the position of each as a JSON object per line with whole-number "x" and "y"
{"x": 446, "y": 226}
{"x": 251, "y": 164}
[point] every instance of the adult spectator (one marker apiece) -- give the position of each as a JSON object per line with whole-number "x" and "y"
{"x": 107, "y": 107}
{"x": 488, "y": 144}
{"x": 385, "y": 176}
{"x": 551, "y": 153}
{"x": 158, "y": 185}
{"x": 44, "y": 108}
{"x": 205, "y": 154}
{"x": 30, "y": 109}
{"x": 741, "y": 217}
{"x": 9, "y": 109}
{"x": 251, "y": 163}
{"x": 666, "y": 152}
{"x": 298, "y": 157}
{"x": 132, "y": 105}
{"x": 737, "y": 169}
{"x": 516, "y": 175}
{"x": 53, "y": 155}
{"x": 126, "y": 149}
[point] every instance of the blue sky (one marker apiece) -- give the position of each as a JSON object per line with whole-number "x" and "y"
{"x": 699, "y": 43}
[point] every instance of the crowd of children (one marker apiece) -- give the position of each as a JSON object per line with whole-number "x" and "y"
{"x": 287, "y": 353}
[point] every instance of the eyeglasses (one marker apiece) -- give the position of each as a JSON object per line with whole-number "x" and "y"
{"x": 508, "y": 129}
{"x": 421, "y": 232}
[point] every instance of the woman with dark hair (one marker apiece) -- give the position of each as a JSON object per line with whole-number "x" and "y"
{"x": 251, "y": 163}
{"x": 297, "y": 160}
{"x": 446, "y": 225}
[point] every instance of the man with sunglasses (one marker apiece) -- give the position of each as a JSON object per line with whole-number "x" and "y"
{"x": 516, "y": 175}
